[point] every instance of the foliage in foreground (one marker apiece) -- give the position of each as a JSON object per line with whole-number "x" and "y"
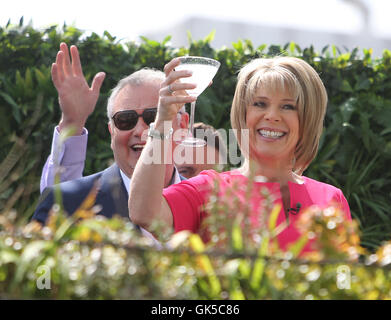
{"x": 90, "y": 257}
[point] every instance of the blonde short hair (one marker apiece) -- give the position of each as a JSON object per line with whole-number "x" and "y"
{"x": 302, "y": 82}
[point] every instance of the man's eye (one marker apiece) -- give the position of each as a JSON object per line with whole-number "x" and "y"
{"x": 182, "y": 171}
{"x": 187, "y": 172}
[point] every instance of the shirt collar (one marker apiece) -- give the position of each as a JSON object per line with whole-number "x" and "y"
{"x": 126, "y": 180}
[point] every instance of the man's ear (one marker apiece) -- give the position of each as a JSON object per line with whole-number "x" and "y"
{"x": 111, "y": 134}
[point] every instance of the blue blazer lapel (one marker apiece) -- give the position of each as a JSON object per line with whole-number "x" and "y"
{"x": 112, "y": 193}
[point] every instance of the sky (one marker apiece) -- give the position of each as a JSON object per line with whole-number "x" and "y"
{"x": 129, "y": 19}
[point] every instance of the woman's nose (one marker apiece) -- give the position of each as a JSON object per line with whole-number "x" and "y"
{"x": 272, "y": 114}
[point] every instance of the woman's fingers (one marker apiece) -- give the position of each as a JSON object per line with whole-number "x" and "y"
{"x": 175, "y": 76}
{"x": 176, "y": 100}
{"x": 173, "y": 93}
{"x": 171, "y": 65}
{"x": 179, "y": 87}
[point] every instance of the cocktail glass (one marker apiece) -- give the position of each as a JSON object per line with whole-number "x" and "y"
{"x": 204, "y": 69}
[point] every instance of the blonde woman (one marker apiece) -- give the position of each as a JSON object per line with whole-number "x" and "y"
{"x": 280, "y": 104}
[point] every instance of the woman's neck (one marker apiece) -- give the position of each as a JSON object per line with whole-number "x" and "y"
{"x": 273, "y": 171}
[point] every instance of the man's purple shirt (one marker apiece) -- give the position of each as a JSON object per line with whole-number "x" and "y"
{"x": 67, "y": 157}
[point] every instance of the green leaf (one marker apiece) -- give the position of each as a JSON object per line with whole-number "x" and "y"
{"x": 347, "y": 108}
{"x": 196, "y": 243}
{"x": 237, "y": 293}
{"x": 363, "y": 85}
{"x": 166, "y": 39}
{"x": 385, "y": 131}
{"x": 345, "y": 86}
{"x": 189, "y": 37}
{"x": 8, "y": 256}
{"x": 292, "y": 47}
{"x": 237, "y": 238}
{"x": 353, "y": 54}
{"x": 42, "y": 79}
{"x": 244, "y": 268}
{"x": 257, "y": 274}
{"x": 28, "y": 80}
{"x": 273, "y": 217}
{"x": 209, "y": 38}
{"x": 20, "y": 82}
{"x": 108, "y": 35}
{"x": 296, "y": 247}
{"x": 334, "y": 49}
{"x": 152, "y": 43}
{"x": 15, "y": 107}
{"x": 238, "y": 46}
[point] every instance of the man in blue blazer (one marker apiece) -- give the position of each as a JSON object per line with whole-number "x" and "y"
{"x": 131, "y": 108}
{"x": 111, "y": 196}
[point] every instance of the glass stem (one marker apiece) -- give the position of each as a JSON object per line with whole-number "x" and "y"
{"x": 191, "y": 123}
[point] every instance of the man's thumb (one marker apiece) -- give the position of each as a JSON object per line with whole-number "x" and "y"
{"x": 97, "y": 82}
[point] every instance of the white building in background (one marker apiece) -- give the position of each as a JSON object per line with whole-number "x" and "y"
{"x": 229, "y": 32}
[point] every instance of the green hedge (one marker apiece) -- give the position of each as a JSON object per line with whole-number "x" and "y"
{"x": 355, "y": 148}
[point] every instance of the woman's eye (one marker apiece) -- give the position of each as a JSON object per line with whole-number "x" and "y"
{"x": 289, "y": 107}
{"x": 259, "y": 104}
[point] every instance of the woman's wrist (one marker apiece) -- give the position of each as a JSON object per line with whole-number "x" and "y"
{"x": 163, "y": 126}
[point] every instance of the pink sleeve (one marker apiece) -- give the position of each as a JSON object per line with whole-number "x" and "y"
{"x": 186, "y": 199}
{"x": 345, "y": 205}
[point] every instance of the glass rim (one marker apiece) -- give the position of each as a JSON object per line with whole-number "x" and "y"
{"x": 199, "y": 60}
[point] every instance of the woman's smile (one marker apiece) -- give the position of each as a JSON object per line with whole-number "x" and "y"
{"x": 271, "y": 134}
{"x": 273, "y": 121}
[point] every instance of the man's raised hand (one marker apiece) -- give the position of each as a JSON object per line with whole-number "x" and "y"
{"x": 77, "y": 100}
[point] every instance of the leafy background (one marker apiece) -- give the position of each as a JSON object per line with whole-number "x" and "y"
{"x": 355, "y": 148}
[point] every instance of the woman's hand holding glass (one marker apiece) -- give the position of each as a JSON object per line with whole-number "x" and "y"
{"x": 173, "y": 93}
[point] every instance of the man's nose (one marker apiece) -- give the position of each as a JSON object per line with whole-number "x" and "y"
{"x": 140, "y": 127}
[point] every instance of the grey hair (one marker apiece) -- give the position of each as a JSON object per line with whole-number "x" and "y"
{"x": 136, "y": 79}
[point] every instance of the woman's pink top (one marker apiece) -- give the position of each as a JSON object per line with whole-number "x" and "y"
{"x": 187, "y": 198}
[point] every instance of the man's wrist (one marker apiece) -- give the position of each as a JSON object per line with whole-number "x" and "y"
{"x": 77, "y": 128}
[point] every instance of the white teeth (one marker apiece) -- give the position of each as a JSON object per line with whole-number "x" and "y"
{"x": 271, "y": 134}
{"x": 138, "y": 146}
